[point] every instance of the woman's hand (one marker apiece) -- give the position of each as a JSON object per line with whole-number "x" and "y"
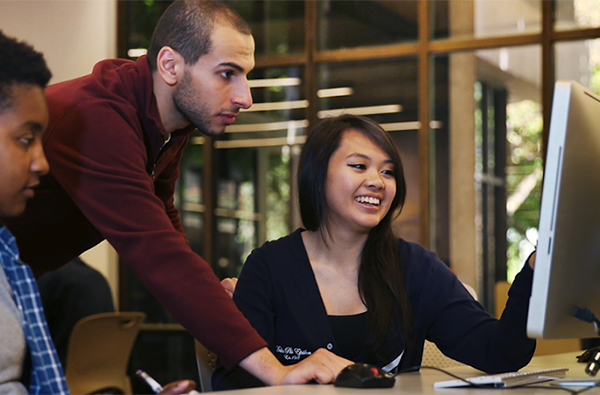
{"x": 229, "y": 285}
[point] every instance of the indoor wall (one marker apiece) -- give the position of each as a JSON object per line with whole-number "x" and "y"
{"x": 73, "y": 35}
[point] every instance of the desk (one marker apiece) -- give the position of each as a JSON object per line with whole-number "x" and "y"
{"x": 422, "y": 382}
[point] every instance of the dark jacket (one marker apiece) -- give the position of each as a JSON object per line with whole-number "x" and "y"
{"x": 278, "y": 293}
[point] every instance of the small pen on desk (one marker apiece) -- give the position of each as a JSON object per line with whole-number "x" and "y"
{"x": 156, "y": 387}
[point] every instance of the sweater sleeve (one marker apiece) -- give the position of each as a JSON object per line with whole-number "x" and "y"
{"x": 100, "y": 161}
{"x": 164, "y": 188}
{"x": 253, "y": 295}
{"x": 464, "y": 331}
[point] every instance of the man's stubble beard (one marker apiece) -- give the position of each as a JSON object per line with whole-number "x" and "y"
{"x": 190, "y": 106}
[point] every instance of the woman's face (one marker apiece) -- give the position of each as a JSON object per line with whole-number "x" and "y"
{"x": 360, "y": 184}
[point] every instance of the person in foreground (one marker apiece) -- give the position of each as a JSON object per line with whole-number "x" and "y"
{"x": 347, "y": 284}
{"x": 114, "y": 142}
{"x": 24, "y": 334}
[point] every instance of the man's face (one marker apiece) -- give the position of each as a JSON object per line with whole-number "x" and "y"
{"x": 215, "y": 88}
{"x": 22, "y": 159}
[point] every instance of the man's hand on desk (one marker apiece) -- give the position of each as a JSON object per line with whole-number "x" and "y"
{"x": 322, "y": 366}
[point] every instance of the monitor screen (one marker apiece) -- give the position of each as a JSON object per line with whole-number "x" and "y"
{"x": 567, "y": 265}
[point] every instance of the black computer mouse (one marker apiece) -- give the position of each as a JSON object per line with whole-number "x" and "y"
{"x": 362, "y": 375}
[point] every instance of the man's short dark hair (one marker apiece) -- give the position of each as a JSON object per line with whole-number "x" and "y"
{"x": 186, "y": 26}
{"x": 20, "y": 64}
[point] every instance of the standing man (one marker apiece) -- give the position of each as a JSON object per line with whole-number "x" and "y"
{"x": 24, "y": 334}
{"x": 114, "y": 143}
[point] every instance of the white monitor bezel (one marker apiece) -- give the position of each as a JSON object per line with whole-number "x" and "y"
{"x": 567, "y": 266}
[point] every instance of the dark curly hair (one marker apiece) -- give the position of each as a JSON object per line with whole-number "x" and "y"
{"x": 186, "y": 26}
{"x": 20, "y": 64}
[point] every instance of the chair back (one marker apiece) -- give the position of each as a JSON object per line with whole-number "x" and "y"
{"x": 432, "y": 356}
{"x": 207, "y": 361}
{"x": 99, "y": 350}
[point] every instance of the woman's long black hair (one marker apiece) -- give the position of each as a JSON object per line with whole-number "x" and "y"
{"x": 381, "y": 276}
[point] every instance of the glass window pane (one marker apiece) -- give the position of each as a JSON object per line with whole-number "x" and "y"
{"x": 485, "y": 18}
{"x": 576, "y": 14}
{"x": 277, "y": 26}
{"x": 254, "y": 202}
{"x": 189, "y": 198}
{"x": 494, "y": 113}
{"x": 355, "y": 23}
{"x": 253, "y": 163}
{"x": 235, "y": 239}
{"x": 579, "y": 61}
{"x": 141, "y": 18}
{"x": 385, "y": 91}
{"x": 278, "y": 114}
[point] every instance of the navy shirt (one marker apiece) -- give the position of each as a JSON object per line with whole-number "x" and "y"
{"x": 278, "y": 293}
{"x": 350, "y": 334}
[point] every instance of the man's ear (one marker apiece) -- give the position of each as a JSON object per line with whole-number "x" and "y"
{"x": 169, "y": 65}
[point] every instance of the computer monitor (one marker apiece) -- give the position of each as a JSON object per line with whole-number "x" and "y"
{"x": 567, "y": 265}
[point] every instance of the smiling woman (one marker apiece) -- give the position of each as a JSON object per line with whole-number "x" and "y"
{"x": 361, "y": 186}
{"x": 347, "y": 284}
{"x": 344, "y": 235}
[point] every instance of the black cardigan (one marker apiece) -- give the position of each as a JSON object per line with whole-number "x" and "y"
{"x": 278, "y": 293}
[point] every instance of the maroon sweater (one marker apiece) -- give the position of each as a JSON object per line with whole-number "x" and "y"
{"x": 110, "y": 179}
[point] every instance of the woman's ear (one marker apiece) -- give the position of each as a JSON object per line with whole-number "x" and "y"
{"x": 169, "y": 64}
